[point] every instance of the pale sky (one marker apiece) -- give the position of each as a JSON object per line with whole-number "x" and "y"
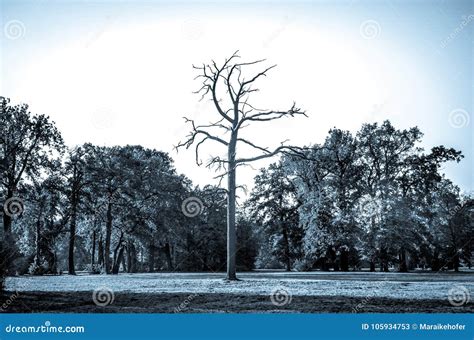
{"x": 120, "y": 72}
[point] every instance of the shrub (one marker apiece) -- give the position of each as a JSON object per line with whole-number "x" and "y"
{"x": 94, "y": 268}
{"x": 38, "y": 269}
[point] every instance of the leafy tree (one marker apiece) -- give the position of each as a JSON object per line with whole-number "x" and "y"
{"x": 273, "y": 205}
{"x": 76, "y": 180}
{"x": 248, "y": 244}
{"x": 342, "y": 163}
{"x": 27, "y": 145}
{"x": 374, "y": 197}
{"x": 310, "y": 175}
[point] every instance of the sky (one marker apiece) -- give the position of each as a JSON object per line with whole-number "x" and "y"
{"x": 120, "y": 72}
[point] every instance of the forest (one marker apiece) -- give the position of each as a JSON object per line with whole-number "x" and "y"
{"x": 371, "y": 200}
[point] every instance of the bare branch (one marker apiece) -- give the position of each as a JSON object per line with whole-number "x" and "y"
{"x": 239, "y": 115}
{"x": 282, "y": 149}
{"x": 253, "y": 145}
{"x": 217, "y": 160}
{"x": 272, "y": 115}
{"x": 197, "y": 131}
{"x": 242, "y": 89}
{"x": 211, "y": 75}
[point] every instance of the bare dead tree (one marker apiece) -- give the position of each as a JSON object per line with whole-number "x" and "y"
{"x": 232, "y": 118}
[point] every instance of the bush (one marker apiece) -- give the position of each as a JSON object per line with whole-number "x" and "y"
{"x": 94, "y": 268}
{"x": 21, "y": 265}
{"x": 305, "y": 264}
{"x": 38, "y": 269}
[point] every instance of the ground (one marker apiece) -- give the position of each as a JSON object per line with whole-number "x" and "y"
{"x": 313, "y": 292}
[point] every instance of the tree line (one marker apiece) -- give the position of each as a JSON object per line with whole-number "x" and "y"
{"x": 103, "y": 209}
{"x": 373, "y": 198}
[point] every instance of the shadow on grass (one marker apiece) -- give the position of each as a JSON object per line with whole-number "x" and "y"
{"x": 81, "y": 302}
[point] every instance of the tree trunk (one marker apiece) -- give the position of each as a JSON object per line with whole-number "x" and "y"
{"x": 168, "y": 256}
{"x": 151, "y": 258}
{"x": 435, "y": 263}
{"x": 37, "y": 241}
{"x": 108, "y": 236}
{"x": 456, "y": 262}
{"x": 324, "y": 264}
{"x": 383, "y": 260}
{"x": 100, "y": 251}
{"x": 372, "y": 266}
{"x": 7, "y": 223}
{"x": 131, "y": 257}
{"x": 403, "y": 261}
{"x": 7, "y": 220}
{"x": 284, "y": 229}
{"x": 93, "y": 249}
{"x": 344, "y": 260}
{"x": 54, "y": 264}
{"x": 72, "y": 236}
{"x": 117, "y": 262}
{"x": 231, "y": 187}
{"x": 287, "y": 250}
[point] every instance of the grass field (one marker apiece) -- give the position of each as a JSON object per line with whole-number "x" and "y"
{"x": 313, "y": 292}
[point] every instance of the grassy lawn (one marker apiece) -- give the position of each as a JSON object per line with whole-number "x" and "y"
{"x": 315, "y": 292}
